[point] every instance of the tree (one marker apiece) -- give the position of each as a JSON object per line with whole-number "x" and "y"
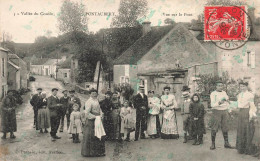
{"x": 72, "y": 17}
{"x": 169, "y": 21}
{"x": 128, "y": 13}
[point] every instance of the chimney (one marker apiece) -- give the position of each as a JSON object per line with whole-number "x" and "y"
{"x": 146, "y": 27}
{"x": 251, "y": 13}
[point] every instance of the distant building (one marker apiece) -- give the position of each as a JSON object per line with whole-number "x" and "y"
{"x": 46, "y": 66}
{"x": 3, "y": 72}
{"x": 13, "y": 58}
{"x": 64, "y": 71}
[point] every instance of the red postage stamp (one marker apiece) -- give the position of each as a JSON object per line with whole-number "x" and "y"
{"x": 228, "y": 23}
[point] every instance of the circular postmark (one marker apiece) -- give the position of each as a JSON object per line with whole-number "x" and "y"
{"x": 228, "y": 27}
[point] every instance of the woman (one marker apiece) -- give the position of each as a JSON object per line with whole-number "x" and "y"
{"x": 8, "y": 117}
{"x": 153, "y": 123}
{"x": 247, "y": 111}
{"x": 92, "y": 146}
{"x": 169, "y": 125}
{"x": 43, "y": 118}
{"x": 116, "y": 105}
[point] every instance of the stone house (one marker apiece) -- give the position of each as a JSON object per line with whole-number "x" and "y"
{"x": 3, "y": 72}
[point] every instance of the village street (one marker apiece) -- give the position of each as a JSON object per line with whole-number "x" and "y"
{"x": 31, "y": 145}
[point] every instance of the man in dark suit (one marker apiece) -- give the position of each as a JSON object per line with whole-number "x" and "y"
{"x": 73, "y": 99}
{"x": 141, "y": 105}
{"x": 64, "y": 100}
{"x": 54, "y": 107}
{"x": 35, "y": 103}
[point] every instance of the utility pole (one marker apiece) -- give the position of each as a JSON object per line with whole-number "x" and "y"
{"x": 100, "y": 65}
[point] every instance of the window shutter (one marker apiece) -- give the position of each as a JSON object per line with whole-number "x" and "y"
{"x": 252, "y": 55}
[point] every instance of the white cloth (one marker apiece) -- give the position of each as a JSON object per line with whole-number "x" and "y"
{"x": 246, "y": 100}
{"x": 154, "y": 105}
{"x": 216, "y": 97}
{"x": 99, "y": 129}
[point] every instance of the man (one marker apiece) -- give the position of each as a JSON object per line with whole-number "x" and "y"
{"x": 73, "y": 99}
{"x": 35, "y": 103}
{"x": 247, "y": 111}
{"x": 141, "y": 105}
{"x": 185, "y": 112}
{"x": 220, "y": 115}
{"x": 64, "y": 100}
{"x": 54, "y": 107}
{"x": 153, "y": 122}
{"x": 8, "y": 116}
{"x": 106, "y": 106}
{"x": 116, "y": 105}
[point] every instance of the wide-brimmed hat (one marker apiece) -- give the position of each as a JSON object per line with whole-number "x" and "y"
{"x": 185, "y": 88}
{"x": 64, "y": 91}
{"x": 109, "y": 93}
{"x": 167, "y": 87}
{"x": 54, "y": 89}
{"x": 72, "y": 91}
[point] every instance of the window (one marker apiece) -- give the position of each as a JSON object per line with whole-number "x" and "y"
{"x": 3, "y": 67}
{"x": 65, "y": 75}
{"x": 250, "y": 59}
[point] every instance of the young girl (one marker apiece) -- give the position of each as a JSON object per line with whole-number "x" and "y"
{"x": 75, "y": 124}
{"x": 127, "y": 121}
{"x": 197, "y": 119}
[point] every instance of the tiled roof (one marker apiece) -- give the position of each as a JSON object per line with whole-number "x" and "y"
{"x": 142, "y": 45}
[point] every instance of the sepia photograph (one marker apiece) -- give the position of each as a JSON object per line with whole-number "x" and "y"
{"x": 129, "y": 80}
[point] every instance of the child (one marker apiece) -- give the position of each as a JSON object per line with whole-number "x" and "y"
{"x": 75, "y": 124}
{"x": 197, "y": 119}
{"x": 256, "y": 138}
{"x": 127, "y": 121}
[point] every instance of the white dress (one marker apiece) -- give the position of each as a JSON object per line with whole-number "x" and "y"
{"x": 75, "y": 123}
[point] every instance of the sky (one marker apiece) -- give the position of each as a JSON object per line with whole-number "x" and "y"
{"x": 25, "y": 28}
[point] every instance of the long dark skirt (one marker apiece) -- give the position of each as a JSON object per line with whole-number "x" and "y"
{"x": 245, "y": 133}
{"x": 8, "y": 121}
{"x": 91, "y": 145}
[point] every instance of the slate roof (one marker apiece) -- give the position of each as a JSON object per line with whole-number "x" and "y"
{"x": 142, "y": 45}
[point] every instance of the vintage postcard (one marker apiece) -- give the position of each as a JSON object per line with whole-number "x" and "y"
{"x": 130, "y": 80}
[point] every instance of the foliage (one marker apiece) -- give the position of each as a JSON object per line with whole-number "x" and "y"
{"x": 88, "y": 57}
{"x": 206, "y": 84}
{"x": 169, "y": 21}
{"x": 117, "y": 40}
{"x": 72, "y": 17}
{"x": 125, "y": 90}
{"x": 128, "y": 13}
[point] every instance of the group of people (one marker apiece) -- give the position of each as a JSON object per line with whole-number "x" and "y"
{"x": 51, "y": 111}
{"x": 114, "y": 118}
